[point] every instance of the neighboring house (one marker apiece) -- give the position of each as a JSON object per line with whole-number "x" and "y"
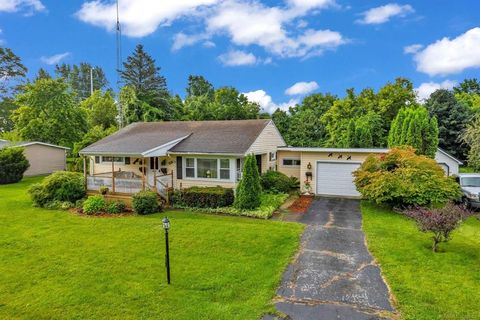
{"x": 329, "y": 170}
{"x": 44, "y": 158}
{"x": 179, "y": 154}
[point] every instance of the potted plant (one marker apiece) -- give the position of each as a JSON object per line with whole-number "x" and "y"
{"x": 103, "y": 190}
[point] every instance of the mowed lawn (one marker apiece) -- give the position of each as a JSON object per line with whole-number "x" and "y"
{"x": 427, "y": 285}
{"x": 54, "y": 264}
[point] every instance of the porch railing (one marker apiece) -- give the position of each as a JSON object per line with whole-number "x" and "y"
{"x": 121, "y": 185}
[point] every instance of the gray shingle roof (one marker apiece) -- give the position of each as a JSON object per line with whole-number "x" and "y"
{"x": 223, "y": 137}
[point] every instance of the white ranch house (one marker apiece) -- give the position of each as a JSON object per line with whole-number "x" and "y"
{"x": 179, "y": 154}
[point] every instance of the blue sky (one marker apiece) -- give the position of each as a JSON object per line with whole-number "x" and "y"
{"x": 275, "y": 51}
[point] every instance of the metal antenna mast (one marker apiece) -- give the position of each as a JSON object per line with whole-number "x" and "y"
{"x": 119, "y": 64}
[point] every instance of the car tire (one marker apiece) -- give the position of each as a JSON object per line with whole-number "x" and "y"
{"x": 466, "y": 204}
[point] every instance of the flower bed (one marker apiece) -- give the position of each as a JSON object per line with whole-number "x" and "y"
{"x": 269, "y": 203}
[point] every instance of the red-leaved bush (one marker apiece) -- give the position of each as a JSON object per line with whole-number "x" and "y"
{"x": 439, "y": 221}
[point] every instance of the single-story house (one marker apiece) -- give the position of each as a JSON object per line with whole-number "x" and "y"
{"x": 180, "y": 154}
{"x": 44, "y": 158}
{"x": 329, "y": 170}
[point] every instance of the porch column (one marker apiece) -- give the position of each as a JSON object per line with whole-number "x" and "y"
{"x": 144, "y": 169}
{"x": 155, "y": 178}
{"x": 85, "y": 172}
{"x": 113, "y": 175}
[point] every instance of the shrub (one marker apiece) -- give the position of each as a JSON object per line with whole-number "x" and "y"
{"x": 402, "y": 178}
{"x": 59, "y": 186}
{"x": 13, "y": 165}
{"x": 440, "y": 221}
{"x": 248, "y": 189}
{"x": 145, "y": 202}
{"x": 103, "y": 190}
{"x": 59, "y": 205}
{"x": 94, "y": 204}
{"x": 115, "y": 207}
{"x": 204, "y": 197}
{"x": 277, "y": 182}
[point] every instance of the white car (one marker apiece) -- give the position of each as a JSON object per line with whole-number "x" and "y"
{"x": 470, "y": 185}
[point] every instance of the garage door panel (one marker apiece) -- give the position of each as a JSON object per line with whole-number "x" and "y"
{"x": 336, "y": 179}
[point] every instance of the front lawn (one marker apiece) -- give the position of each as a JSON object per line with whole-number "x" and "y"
{"x": 427, "y": 285}
{"x": 55, "y": 264}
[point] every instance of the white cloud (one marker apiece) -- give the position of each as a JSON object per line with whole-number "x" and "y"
{"x": 411, "y": 49}
{"x": 301, "y": 88}
{"x": 56, "y": 58}
{"x": 235, "y": 58}
{"x": 139, "y": 17}
{"x": 21, "y": 5}
{"x": 252, "y": 23}
{"x": 265, "y": 101}
{"x": 383, "y": 14}
{"x": 427, "y": 88}
{"x": 450, "y": 56}
{"x": 244, "y": 22}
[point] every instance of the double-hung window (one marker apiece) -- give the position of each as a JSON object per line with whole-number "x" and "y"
{"x": 207, "y": 168}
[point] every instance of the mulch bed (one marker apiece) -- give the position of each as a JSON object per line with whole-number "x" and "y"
{"x": 301, "y": 204}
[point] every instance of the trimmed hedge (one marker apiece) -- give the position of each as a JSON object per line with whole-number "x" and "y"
{"x": 13, "y": 165}
{"x": 277, "y": 182}
{"x": 204, "y": 197}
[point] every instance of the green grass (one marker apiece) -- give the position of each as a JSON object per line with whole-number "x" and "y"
{"x": 54, "y": 264}
{"x": 466, "y": 170}
{"x": 427, "y": 285}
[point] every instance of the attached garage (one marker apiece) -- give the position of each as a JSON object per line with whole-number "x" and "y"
{"x": 329, "y": 170}
{"x": 335, "y": 179}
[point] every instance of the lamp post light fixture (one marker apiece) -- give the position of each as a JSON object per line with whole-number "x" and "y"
{"x": 166, "y": 227}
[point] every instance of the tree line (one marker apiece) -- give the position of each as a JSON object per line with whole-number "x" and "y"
{"x": 62, "y": 109}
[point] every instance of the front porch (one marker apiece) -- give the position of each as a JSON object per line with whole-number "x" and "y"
{"x": 127, "y": 175}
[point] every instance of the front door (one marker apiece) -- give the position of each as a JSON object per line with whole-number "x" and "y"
{"x": 157, "y": 167}
{"x": 258, "y": 157}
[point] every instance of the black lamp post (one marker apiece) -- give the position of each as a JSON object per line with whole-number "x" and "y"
{"x": 166, "y": 227}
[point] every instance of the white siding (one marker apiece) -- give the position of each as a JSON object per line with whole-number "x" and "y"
{"x": 450, "y": 166}
{"x": 267, "y": 141}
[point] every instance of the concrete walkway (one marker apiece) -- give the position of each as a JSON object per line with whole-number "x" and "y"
{"x": 333, "y": 275}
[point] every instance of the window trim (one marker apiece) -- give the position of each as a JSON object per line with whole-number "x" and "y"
{"x": 291, "y": 165}
{"x": 113, "y": 157}
{"x": 272, "y": 155}
{"x": 219, "y": 169}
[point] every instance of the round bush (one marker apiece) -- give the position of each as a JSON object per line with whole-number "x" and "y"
{"x": 401, "y": 178}
{"x": 145, "y": 202}
{"x": 277, "y": 182}
{"x": 59, "y": 186}
{"x": 115, "y": 207}
{"x": 94, "y": 205}
{"x": 13, "y": 165}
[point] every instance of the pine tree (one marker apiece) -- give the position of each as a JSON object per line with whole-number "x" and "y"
{"x": 140, "y": 73}
{"x": 351, "y": 135}
{"x": 249, "y": 188}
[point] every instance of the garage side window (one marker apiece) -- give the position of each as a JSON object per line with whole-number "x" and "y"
{"x": 288, "y": 162}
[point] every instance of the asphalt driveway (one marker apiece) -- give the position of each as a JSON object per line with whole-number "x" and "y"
{"x": 333, "y": 275}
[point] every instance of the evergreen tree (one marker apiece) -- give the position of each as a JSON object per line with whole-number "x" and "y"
{"x": 452, "y": 119}
{"x": 142, "y": 75}
{"x": 414, "y": 127}
{"x": 249, "y": 188}
{"x": 79, "y": 78}
{"x": 12, "y": 72}
{"x": 42, "y": 74}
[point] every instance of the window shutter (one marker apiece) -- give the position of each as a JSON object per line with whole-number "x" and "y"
{"x": 97, "y": 159}
{"x": 127, "y": 160}
{"x": 179, "y": 168}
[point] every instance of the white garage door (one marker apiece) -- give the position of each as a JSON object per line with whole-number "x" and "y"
{"x": 336, "y": 179}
